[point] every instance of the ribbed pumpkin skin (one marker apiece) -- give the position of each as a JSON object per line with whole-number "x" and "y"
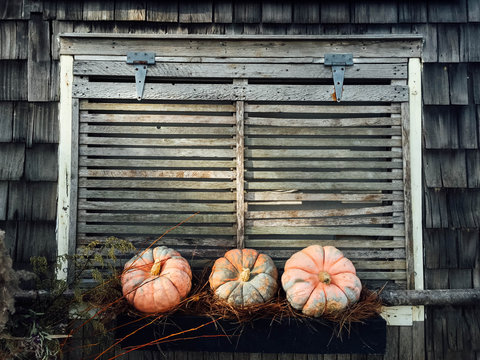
{"x": 150, "y": 293}
{"x": 303, "y": 275}
{"x": 229, "y": 270}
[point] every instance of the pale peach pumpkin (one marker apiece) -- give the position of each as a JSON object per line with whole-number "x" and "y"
{"x": 156, "y": 280}
{"x": 244, "y": 277}
{"x": 320, "y": 279}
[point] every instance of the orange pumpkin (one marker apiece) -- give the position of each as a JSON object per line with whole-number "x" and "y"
{"x": 156, "y": 280}
{"x": 244, "y": 277}
{"x": 320, "y": 279}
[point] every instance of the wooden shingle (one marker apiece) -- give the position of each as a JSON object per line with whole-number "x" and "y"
{"x": 20, "y": 122}
{"x": 474, "y": 70}
{"x": 473, "y": 168}
{"x": 247, "y": 12}
{"x": 41, "y": 163}
{"x": 375, "y": 12}
{"x": 440, "y": 124}
{"x": 3, "y": 199}
{"x": 473, "y": 43}
{"x": 39, "y": 67}
{"x": 277, "y": 12}
{"x": 13, "y": 40}
{"x": 162, "y": 11}
{"x": 13, "y": 82}
{"x": 49, "y": 10}
{"x": 463, "y": 208}
{"x": 412, "y": 11}
{"x": 98, "y": 10}
{"x": 59, "y": 27}
{"x": 43, "y": 118}
{"x": 12, "y": 157}
{"x": 435, "y": 84}
{"x": 306, "y": 12}
{"x": 197, "y": 12}
{"x": 436, "y": 213}
{"x": 445, "y": 168}
{"x": 36, "y": 238}
{"x": 448, "y": 43}
{"x": 447, "y": 11}
{"x": 32, "y": 200}
{"x": 69, "y": 10}
{"x": 335, "y": 12}
{"x": 473, "y": 10}
{"x": 432, "y": 169}
{"x": 459, "y": 279}
{"x": 12, "y": 10}
{"x": 467, "y": 127}
{"x": 458, "y": 81}
{"x": 6, "y": 121}
{"x": 429, "y": 32}
{"x": 130, "y": 10}
{"x": 223, "y": 11}
{"x": 468, "y": 248}
{"x": 436, "y": 279}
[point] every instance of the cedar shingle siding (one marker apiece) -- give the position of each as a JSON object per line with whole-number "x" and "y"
{"x": 29, "y": 93}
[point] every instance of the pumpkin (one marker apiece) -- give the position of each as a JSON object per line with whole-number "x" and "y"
{"x": 244, "y": 277}
{"x": 320, "y": 280}
{"x": 157, "y": 280}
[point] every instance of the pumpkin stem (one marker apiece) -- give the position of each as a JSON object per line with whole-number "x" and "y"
{"x": 245, "y": 275}
{"x": 156, "y": 268}
{"x": 324, "y": 277}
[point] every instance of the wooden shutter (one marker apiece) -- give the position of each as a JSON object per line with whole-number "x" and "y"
{"x": 257, "y": 146}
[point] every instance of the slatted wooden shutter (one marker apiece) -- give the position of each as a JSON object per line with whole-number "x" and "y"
{"x": 253, "y": 142}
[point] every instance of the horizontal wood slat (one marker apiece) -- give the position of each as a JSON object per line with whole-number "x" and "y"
{"x": 241, "y": 70}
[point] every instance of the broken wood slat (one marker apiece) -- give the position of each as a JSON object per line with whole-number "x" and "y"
{"x": 278, "y": 214}
{"x": 323, "y": 142}
{"x": 323, "y": 109}
{"x": 156, "y": 130}
{"x": 157, "y": 119}
{"x": 92, "y": 217}
{"x": 177, "y": 174}
{"x": 322, "y": 175}
{"x": 288, "y": 46}
{"x": 321, "y": 122}
{"x": 291, "y": 131}
{"x": 156, "y": 184}
{"x": 141, "y": 107}
{"x": 240, "y": 70}
{"x": 322, "y": 164}
{"x": 228, "y": 92}
{"x": 156, "y": 163}
{"x": 341, "y": 244}
{"x": 279, "y": 196}
{"x": 315, "y": 153}
{"x": 290, "y": 186}
{"x": 156, "y": 195}
{"x": 307, "y": 230}
{"x": 154, "y": 206}
{"x": 155, "y": 229}
{"x": 136, "y": 141}
{"x": 163, "y": 152}
{"x": 343, "y": 221}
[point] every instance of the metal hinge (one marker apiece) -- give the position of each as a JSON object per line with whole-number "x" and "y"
{"x": 141, "y": 60}
{"x": 338, "y": 63}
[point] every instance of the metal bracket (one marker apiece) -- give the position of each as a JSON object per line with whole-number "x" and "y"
{"x": 141, "y": 60}
{"x": 338, "y": 63}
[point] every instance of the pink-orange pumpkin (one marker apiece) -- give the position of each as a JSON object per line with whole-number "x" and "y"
{"x": 244, "y": 277}
{"x": 156, "y": 280}
{"x": 320, "y": 279}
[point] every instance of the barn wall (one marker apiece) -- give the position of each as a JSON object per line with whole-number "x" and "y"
{"x": 29, "y": 95}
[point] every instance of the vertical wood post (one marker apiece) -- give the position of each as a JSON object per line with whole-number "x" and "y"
{"x": 240, "y": 173}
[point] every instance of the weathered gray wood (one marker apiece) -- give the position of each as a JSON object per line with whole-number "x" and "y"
{"x": 164, "y": 119}
{"x": 94, "y": 11}
{"x": 448, "y": 43}
{"x": 41, "y": 163}
{"x": 431, "y": 297}
{"x": 166, "y": 152}
{"x": 43, "y": 124}
{"x": 35, "y": 238}
{"x": 429, "y": 31}
{"x": 335, "y": 13}
{"x": 314, "y": 153}
{"x": 32, "y": 201}
{"x": 435, "y": 85}
{"x": 240, "y": 172}
{"x": 6, "y": 121}
{"x": 458, "y": 81}
{"x": 178, "y": 174}
{"x": 289, "y": 186}
{"x": 321, "y": 175}
{"x": 441, "y": 126}
{"x": 473, "y": 169}
{"x": 328, "y": 222}
{"x": 326, "y": 109}
{"x": 74, "y": 175}
{"x": 13, "y": 82}
{"x": 341, "y": 244}
{"x": 155, "y": 130}
{"x": 12, "y": 158}
{"x": 155, "y": 195}
{"x": 235, "y": 48}
{"x": 276, "y": 12}
{"x": 13, "y": 40}
{"x": 165, "y": 12}
{"x": 315, "y": 142}
{"x": 143, "y": 241}
{"x": 195, "y": 12}
{"x": 384, "y": 93}
{"x": 321, "y": 122}
{"x": 247, "y": 12}
{"x": 300, "y": 230}
{"x": 59, "y": 27}
{"x": 135, "y": 163}
{"x": 448, "y": 12}
{"x": 473, "y": 10}
{"x": 375, "y": 12}
{"x": 155, "y": 229}
{"x": 241, "y": 70}
{"x": 130, "y": 10}
{"x": 154, "y": 206}
{"x": 135, "y": 141}
{"x": 412, "y": 12}
{"x": 222, "y": 11}
{"x": 67, "y": 10}
{"x": 361, "y": 131}
{"x": 91, "y": 217}
{"x": 39, "y": 67}
{"x": 279, "y": 196}
{"x": 157, "y": 184}
{"x": 3, "y": 200}
{"x": 320, "y": 164}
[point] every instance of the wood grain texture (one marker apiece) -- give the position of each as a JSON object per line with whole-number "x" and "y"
{"x": 223, "y": 11}
{"x": 67, "y": 10}
{"x": 449, "y": 43}
{"x": 375, "y": 12}
{"x": 13, "y": 82}
{"x": 473, "y": 34}
{"x": 35, "y": 238}
{"x": 435, "y": 85}
{"x": 473, "y": 169}
{"x": 41, "y": 163}
{"x": 306, "y": 12}
{"x": 247, "y": 12}
{"x": 32, "y": 200}
{"x": 13, "y": 40}
{"x": 277, "y": 12}
{"x": 335, "y": 13}
{"x": 412, "y": 11}
{"x": 458, "y": 81}
{"x": 455, "y": 12}
{"x": 6, "y": 121}
{"x": 39, "y": 66}
{"x": 98, "y": 11}
{"x": 195, "y": 12}
{"x": 12, "y": 158}
{"x": 165, "y": 12}
{"x": 12, "y": 9}
{"x": 3, "y": 200}
{"x": 127, "y": 10}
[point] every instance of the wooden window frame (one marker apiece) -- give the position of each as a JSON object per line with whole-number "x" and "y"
{"x": 68, "y": 177}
